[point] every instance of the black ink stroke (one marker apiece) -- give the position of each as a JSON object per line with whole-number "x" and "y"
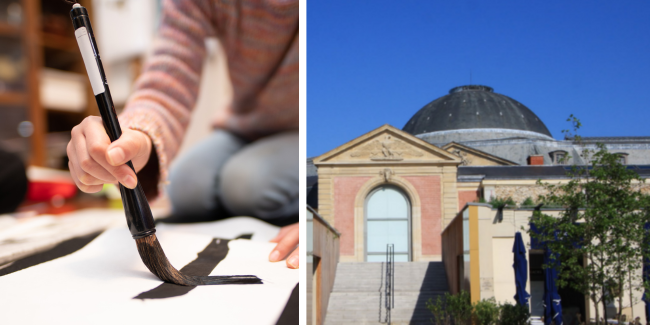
{"x": 206, "y": 261}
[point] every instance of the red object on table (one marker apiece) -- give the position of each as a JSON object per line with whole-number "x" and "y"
{"x": 45, "y": 191}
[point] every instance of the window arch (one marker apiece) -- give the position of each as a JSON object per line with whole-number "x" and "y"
{"x": 388, "y": 221}
{"x": 622, "y": 157}
{"x": 559, "y": 157}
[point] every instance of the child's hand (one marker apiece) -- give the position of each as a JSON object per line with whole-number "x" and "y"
{"x": 94, "y": 160}
{"x": 287, "y": 240}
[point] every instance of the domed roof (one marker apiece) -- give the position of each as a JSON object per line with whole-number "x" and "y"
{"x": 474, "y": 107}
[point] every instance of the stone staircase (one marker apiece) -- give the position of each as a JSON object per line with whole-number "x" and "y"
{"x": 358, "y": 293}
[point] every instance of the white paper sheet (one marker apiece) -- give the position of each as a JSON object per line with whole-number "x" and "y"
{"x": 96, "y": 284}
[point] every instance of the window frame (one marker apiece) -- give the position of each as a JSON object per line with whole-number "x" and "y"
{"x": 409, "y": 218}
{"x": 554, "y": 157}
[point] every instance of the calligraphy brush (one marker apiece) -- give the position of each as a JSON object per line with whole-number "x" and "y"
{"x": 138, "y": 214}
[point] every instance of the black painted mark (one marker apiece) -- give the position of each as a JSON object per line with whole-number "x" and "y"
{"x": 62, "y": 249}
{"x": 245, "y": 236}
{"x": 206, "y": 261}
{"x": 290, "y": 314}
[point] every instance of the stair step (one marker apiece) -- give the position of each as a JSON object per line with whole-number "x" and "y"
{"x": 358, "y": 293}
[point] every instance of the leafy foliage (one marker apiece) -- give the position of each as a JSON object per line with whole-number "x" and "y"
{"x": 460, "y": 307}
{"x": 452, "y": 309}
{"x": 486, "y": 312}
{"x": 514, "y": 314}
{"x": 440, "y": 314}
{"x": 458, "y": 310}
{"x": 528, "y": 202}
{"x": 498, "y": 203}
{"x": 602, "y": 218}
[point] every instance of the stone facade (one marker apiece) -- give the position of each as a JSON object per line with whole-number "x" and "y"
{"x": 425, "y": 173}
{"x": 519, "y": 193}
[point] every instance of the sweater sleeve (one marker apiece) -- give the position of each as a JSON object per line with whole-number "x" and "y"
{"x": 167, "y": 90}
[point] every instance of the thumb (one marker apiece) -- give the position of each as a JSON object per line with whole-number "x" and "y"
{"x": 127, "y": 147}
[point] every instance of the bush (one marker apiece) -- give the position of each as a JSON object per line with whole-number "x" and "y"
{"x": 486, "y": 312}
{"x": 452, "y": 309}
{"x": 459, "y": 307}
{"x": 458, "y": 310}
{"x": 514, "y": 314}
{"x": 501, "y": 202}
{"x": 528, "y": 202}
{"x": 437, "y": 308}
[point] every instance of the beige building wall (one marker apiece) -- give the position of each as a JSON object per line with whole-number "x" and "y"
{"x": 519, "y": 189}
{"x": 502, "y": 236}
{"x": 492, "y": 258}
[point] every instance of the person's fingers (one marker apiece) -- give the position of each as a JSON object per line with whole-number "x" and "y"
{"x": 87, "y": 169}
{"x": 97, "y": 143}
{"x": 81, "y": 176}
{"x": 129, "y": 146}
{"x": 285, "y": 245}
{"x": 83, "y": 187}
{"x": 293, "y": 260}
{"x": 283, "y": 232}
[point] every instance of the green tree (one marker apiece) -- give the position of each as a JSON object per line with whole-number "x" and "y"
{"x": 602, "y": 221}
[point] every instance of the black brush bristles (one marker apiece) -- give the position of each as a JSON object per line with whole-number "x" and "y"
{"x": 156, "y": 261}
{"x": 71, "y": 1}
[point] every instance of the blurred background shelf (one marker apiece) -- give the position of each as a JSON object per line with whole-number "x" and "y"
{"x": 59, "y": 42}
{"x": 43, "y": 88}
{"x": 7, "y": 29}
{"x": 63, "y": 91}
{"x": 12, "y": 98}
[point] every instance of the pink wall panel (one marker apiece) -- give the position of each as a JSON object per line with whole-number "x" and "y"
{"x": 345, "y": 192}
{"x": 465, "y": 197}
{"x": 429, "y": 190}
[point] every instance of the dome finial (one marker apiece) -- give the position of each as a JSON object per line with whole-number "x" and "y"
{"x": 471, "y": 87}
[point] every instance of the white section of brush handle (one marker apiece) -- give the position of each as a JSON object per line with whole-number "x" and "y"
{"x": 89, "y": 60}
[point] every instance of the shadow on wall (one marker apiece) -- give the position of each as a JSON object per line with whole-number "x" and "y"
{"x": 433, "y": 286}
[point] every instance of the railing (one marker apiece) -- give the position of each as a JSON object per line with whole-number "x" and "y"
{"x": 389, "y": 281}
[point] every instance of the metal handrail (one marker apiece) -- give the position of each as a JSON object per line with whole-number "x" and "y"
{"x": 389, "y": 303}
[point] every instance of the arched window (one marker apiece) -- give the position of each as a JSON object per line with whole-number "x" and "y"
{"x": 622, "y": 158}
{"x": 559, "y": 157}
{"x": 388, "y": 221}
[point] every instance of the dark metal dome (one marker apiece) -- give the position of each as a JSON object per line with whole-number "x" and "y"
{"x": 474, "y": 107}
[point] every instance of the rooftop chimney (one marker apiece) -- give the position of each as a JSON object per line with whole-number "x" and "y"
{"x": 536, "y": 160}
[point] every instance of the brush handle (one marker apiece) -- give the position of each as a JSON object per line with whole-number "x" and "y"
{"x": 136, "y": 207}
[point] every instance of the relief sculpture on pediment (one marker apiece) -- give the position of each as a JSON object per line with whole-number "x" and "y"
{"x": 464, "y": 159}
{"x": 386, "y": 149}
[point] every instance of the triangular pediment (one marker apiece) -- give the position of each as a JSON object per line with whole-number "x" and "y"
{"x": 473, "y": 157}
{"x": 387, "y": 144}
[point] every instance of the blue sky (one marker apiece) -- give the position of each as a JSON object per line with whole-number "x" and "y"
{"x": 375, "y": 62}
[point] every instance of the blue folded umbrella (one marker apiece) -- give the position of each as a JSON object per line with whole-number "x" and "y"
{"x": 552, "y": 301}
{"x": 521, "y": 270}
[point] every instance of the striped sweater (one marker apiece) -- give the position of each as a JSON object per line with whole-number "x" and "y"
{"x": 260, "y": 38}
